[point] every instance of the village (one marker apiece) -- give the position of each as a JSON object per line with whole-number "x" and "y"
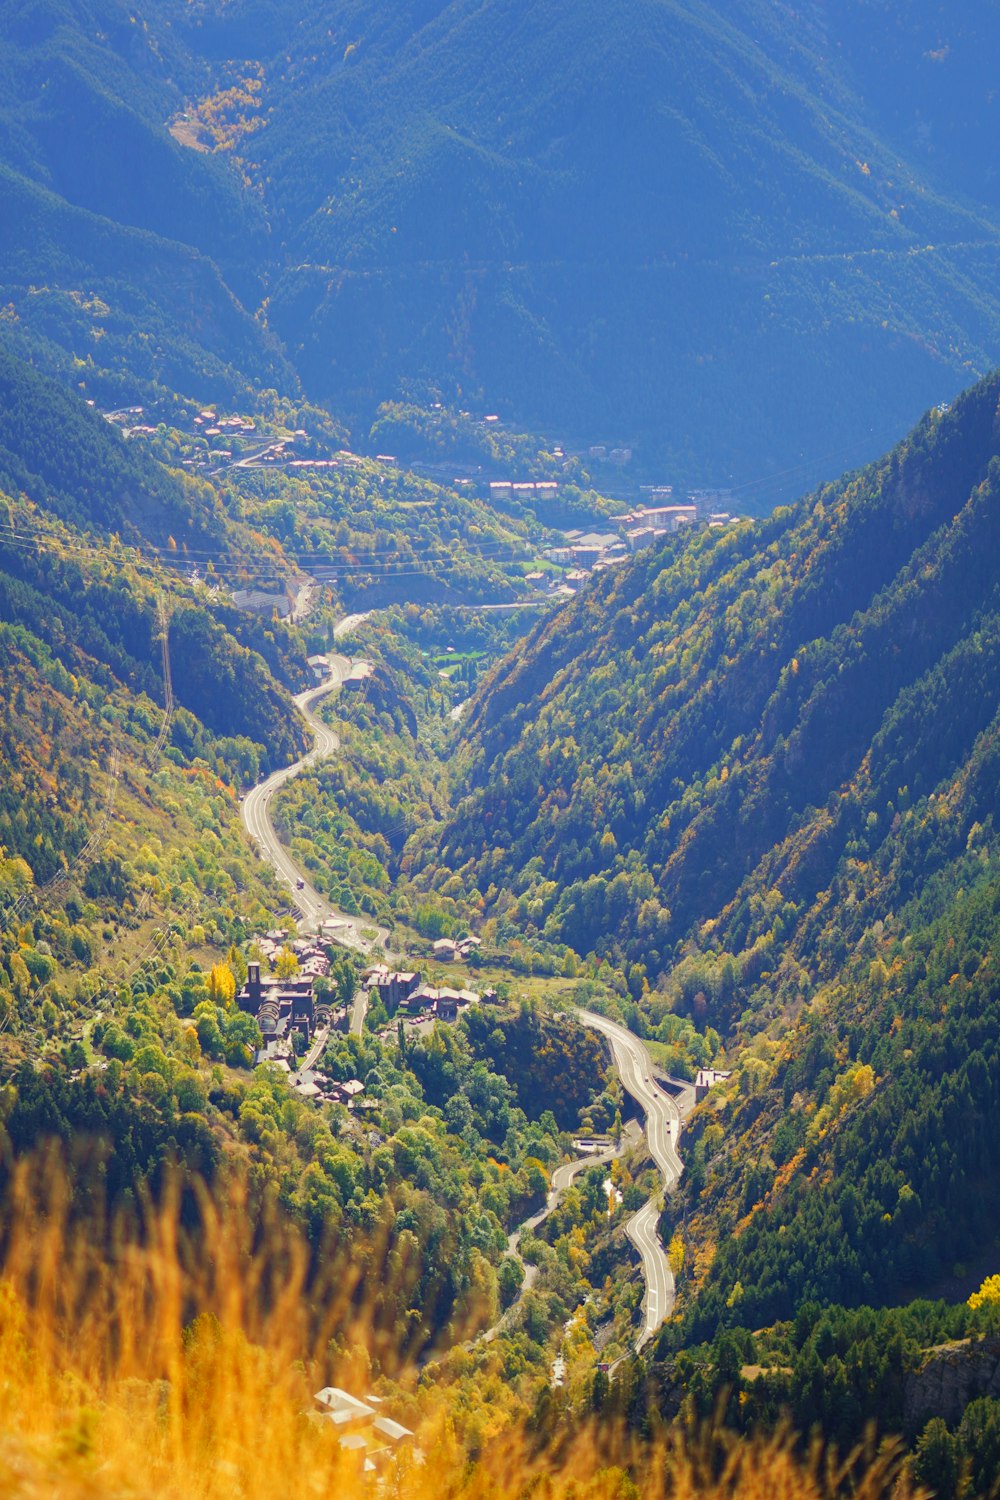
{"x": 297, "y": 1014}
{"x": 237, "y": 441}
{"x": 361, "y": 1428}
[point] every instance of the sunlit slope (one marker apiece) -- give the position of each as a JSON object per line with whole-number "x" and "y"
{"x": 192, "y": 1361}
{"x": 758, "y": 771}
{"x": 729, "y": 714}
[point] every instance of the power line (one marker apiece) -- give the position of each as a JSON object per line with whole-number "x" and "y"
{"x": 382, "y": 562}
{"x": 85, "y": 855}
{"x": 163, "y": 617}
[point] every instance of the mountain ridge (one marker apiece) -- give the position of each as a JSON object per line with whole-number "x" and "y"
{"x": 669, "y": 226}
{"x": 751, "y": 668}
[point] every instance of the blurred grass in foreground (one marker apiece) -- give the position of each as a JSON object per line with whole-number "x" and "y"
{"x": 140, "y": 1357}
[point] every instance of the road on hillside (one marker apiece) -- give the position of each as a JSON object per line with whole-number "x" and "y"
{"x": 315, "y": 1052}
{"x": 305, "y": 601}
{"x": 663, "y": 1124}
{"x": 256, "y": 810}
{"x": 359, "y": 1009}
{"x": 562, "y": 1178}
{"x": 349, "y": 623}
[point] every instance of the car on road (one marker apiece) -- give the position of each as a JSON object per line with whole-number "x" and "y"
{"x": 300, "y": 885}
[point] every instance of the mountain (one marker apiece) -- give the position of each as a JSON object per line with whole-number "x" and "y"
{"x": 756, "y": 769}
{"x": 139, "y": 701}
{"x": 125, "y": 259}
{"x": 67, "y": 459}
{"x": 734, "y": 705}
{"x": 81, "y": 619}
{"x": 679, "y": 224}
{"x": 741, "y": 792}
{"x": 924, "y": 73}
{"x": 720, "y": 235}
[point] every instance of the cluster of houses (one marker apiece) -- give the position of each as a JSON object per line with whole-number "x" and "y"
{"x": 283, "y": 1007}
{"x": 581, "y": 554}
{"x": 318, "y": 1089}
{"x": 208, "y": 425}
{"x": 587, "y": 549}
{"x": 278, "y": 453}
{"x": 404, "y": 993}
{"x": 211, "y": 425}
{"x": 584, "y": 553}
{"x": 533, "y": 490}
{"x": 313, "y": 958}
{"x": 360, "y": 1426}
{"x": 447, "y": 951}
{"x": 646, "y": 524}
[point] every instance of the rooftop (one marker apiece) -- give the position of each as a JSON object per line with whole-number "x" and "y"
{"x": 336, "y": 1400}
{"x": 394, "y": 1431}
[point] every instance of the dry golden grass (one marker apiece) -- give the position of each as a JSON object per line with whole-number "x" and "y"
{"x": 139, "y": 1360}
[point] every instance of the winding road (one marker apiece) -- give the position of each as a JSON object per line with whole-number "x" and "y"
{"x": 313, "y": 907}
{"x": 663, "y": 1126}
{"x": 635, "y": 1066}
{"x": 349, "y": 623}
{"x": 562, "y": 1178}
{"x": 359, "y": 1009}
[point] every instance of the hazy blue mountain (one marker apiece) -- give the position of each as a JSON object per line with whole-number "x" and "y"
{"x": 684, "y": 225}
{"x": 744, "y": 239}
{"x": 120, "y": 249}
{"x": 927, "y": 73}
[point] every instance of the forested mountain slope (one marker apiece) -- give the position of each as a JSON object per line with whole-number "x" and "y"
{"x": 924, "y": 70}
{"x": 678, "y": 223}
{"x": 736, "y": 710}
{"x": 759, "y": 769}
{"x": 712, "y": 232}
{"x": 81, "y": 617}
{"x": 126, "y": 259}
{"x": 131, "y": 896}
{"x": 71, "y": 463}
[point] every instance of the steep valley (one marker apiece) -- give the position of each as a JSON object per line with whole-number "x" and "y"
{"x": 499, "y": 899}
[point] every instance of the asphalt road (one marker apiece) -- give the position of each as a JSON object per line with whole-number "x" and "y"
{"x": 562, "y": 1178}
{"x": 634, "y": 1063}
{"x": 359, "y": 1009}
{"x": 313, "y": 907}
{"x": 315, "y": 1052}
{"x": 349, "y": 623}
{"x": 663, "y": 1124}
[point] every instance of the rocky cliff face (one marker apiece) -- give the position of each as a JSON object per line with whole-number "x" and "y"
{"x": 950, "y": 1377}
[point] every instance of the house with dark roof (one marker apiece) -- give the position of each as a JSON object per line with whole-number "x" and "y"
{"x": 279, "y": 1005}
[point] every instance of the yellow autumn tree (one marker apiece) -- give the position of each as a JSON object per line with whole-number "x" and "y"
{"x": 286, "y": 964}
{"x": 222, "y": 985}
{"x": 238, "y": 964}
{"x": 988, "y": 1294}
